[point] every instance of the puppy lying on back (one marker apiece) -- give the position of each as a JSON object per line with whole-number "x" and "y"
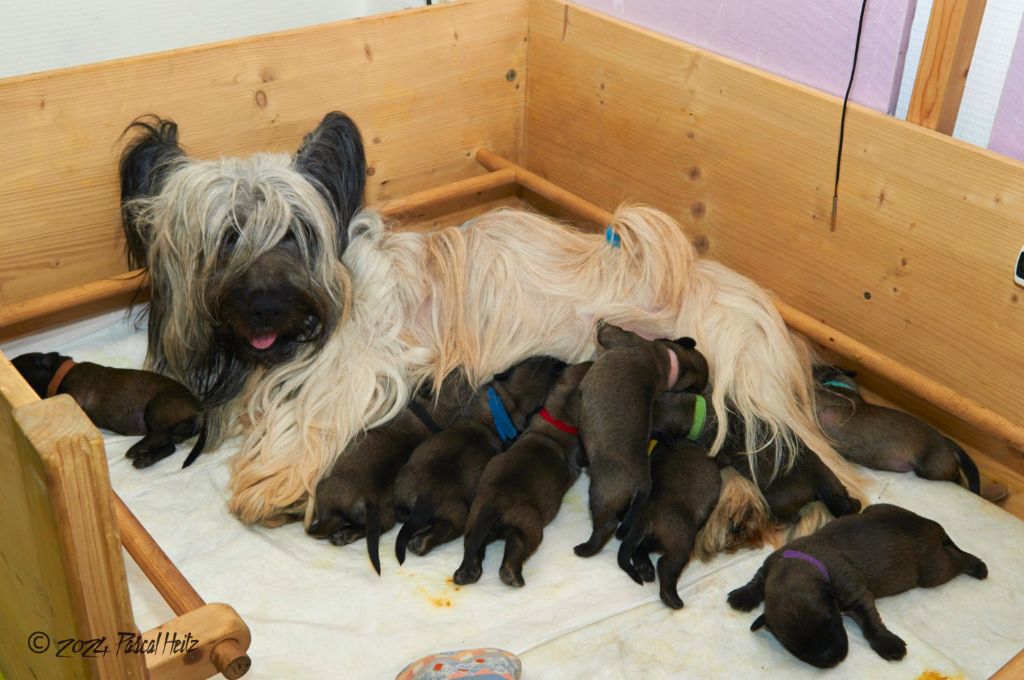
{"x": 434, "y": 490}
{"x": 124, "y": 401}
{"x": 521, "y": 489}
{"x": 790, "y": 490}
{"x": 617, "y": 405}
{"x": 887, "y": 439}
{"x": 810, "y": 583}
{"x": 684, "y": 490}
{"x": 357, "y": 498}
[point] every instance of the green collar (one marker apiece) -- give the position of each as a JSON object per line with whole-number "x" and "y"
{"x": 700, "y": 417}
{"x": 840, "y": 384}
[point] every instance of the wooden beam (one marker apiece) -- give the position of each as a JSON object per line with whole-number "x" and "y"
{"x": 935, "y": 393}
{"x": 227, "y": 655}
{"x": 945, "y": 61}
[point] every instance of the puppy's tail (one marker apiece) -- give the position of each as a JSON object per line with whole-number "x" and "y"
{"x": 968, "y": 467}
{"x": 628, "y": 546}
{"x": 477, "y": 534}
{"x": 199, "y": 445}
{"x": 373, "y": 534}
{"x": 421, "y": 514}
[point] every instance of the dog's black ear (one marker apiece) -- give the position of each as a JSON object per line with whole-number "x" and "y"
{"x": 686, "y": 342}
{"x": 145, "y": 163}
{"x": 758, "y": 623}
{"x": 609, "y": 335}
{"x": 50, "y": 360}
{"x": 332, "y": 157}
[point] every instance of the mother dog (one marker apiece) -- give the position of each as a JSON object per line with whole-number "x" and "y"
{"x": 302, "y": 320}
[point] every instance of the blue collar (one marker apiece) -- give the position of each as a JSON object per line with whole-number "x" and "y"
{"x": 502, "y": 422}
{"x": 839, "y": 384}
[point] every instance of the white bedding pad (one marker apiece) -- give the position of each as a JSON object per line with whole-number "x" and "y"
{"x": 317, "y": 610}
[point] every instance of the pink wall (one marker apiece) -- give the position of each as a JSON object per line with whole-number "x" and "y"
{"x": 809, "y": 41}
{"x": 1008, "y": 129}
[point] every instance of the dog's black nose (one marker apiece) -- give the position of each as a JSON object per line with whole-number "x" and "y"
{"x": 266, "y": 310}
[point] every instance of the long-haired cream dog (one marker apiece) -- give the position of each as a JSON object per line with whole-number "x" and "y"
{"x": 301, "y": 333}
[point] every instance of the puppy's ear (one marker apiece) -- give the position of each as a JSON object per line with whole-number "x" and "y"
{"x": 758, "y": 623}
{"x": 609, "y": 336}
{"x": 145, "y": 164}
{"x": 50, "y": 360}
{"x": 332, "y": 157}
{"x": 686, "y": 342}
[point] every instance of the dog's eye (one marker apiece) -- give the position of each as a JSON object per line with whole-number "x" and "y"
{"x": 230, "y": 240}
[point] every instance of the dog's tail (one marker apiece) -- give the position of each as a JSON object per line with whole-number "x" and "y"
{"x": 968, "y": 467}
{"x": 628, "y": 546}
{"x": 199, "y": 445}
{"x": 477, "y": 534}
{"x": 420, "y": 515}
{"x": 373, "y": 534}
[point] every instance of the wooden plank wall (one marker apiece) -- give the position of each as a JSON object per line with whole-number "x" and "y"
{"x": 426, "y": 86}
{"x": 917, "y": 263}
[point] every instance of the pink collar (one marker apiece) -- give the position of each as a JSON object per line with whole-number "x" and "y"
{"x": 673, "y": 368}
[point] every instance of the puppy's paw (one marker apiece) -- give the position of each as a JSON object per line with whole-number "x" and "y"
{"x": 853, "y": 506}
{"x": 420, "y": 544}
{"x": 467, "y": 574}
{"x": 646, "y": 571}
{"x": 977, "y": 569}
{"x": 671, "y": 598}
{"x": 586, "y": 550}
{"x": 347, "y": 534}
{"x": 889, "y": 646}
{"x": 511, "y": 577}
{"x": 744, "y": 599}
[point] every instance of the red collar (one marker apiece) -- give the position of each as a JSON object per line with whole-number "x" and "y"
{"x": 563, "y": 426}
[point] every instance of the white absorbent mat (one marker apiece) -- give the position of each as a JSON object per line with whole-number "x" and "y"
{"x": 319, "y": 611}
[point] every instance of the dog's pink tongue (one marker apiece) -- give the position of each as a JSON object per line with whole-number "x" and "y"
{"x": 263, "y": 341}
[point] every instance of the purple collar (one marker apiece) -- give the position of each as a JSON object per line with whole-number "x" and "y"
{"x": 797, "y": 555}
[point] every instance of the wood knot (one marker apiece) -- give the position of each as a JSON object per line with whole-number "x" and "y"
{"x": 694, "y": 173}
{"x": 267, "y": 75}
{"x": 370, "y": 171}
{"x": 261, "y": 99}
{"x": 701, "y": 244}
{"x": 697, "y": 210}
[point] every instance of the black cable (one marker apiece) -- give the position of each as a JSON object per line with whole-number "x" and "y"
{"x": 846, "y": 100}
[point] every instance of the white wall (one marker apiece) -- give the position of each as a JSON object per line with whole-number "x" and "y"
{"x": 992, "y": 55}
{"x": 38, "y": 35}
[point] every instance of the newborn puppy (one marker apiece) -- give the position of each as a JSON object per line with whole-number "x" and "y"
{"x": 887, "y": 439}
{"x": 521, "y": 489}
{"x": 357, "y": 498}
{"x": 810, "y": 583}
{"x": 434, "y": 490}
{"x": 685, "y": 488}
{"x": 124, "y": 401}
{"x": 617, "y": 405}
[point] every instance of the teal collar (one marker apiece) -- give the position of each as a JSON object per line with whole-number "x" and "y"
{"x": 840, "y": 384}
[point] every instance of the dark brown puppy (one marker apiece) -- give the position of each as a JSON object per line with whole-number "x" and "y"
{"x": 617, "y": 405}
{"x": 788, "y": 491}
{"x": 684, "y": 490}
{"x": 357, "y": 498}
{"x": 434, "y": 490}
{"x": 808, "y": 585}
{"x": 884, "y": 438}
{"x": 124, "y": 401}
{"x": 521, "y": 490}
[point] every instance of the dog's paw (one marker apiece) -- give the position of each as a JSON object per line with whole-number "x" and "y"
{"x": 420, "y": 544}
{"x": 977, "y": 569}
{"x": 853, "y": 506}
{"x": 465, "y": 575}
{"x": 511, "y": 577}
{"x": 586, "y": 550}
{"x": 346, "y": 535}
{"x": 889, "y": 646}
{"x": 671, "y": 598}
{"x": 744, "y": 599}
{"x": 646, "y": 571}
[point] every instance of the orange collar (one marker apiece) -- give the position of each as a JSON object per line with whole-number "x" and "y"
{"x": 58, "y": 377}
